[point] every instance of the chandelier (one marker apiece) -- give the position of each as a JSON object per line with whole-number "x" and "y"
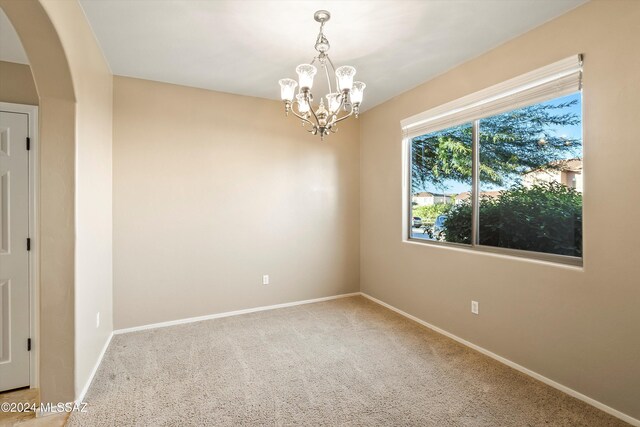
{"x": 341, "y": 104}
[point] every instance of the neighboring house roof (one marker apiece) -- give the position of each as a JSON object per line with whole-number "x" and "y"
{"x": 427, "y": 194}
{"x": 574, "y": 165}
{"x": 466, "y": 195}
{"x": 491, "y": 194}
{"x": 568, "y": 165}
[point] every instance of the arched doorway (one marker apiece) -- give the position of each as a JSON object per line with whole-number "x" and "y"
{"x": 56, "y": 204}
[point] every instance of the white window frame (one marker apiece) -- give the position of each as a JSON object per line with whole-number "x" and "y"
{"x": 552, "y": 81}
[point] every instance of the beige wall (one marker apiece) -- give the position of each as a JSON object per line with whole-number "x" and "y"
{"x": 212, "y": 190}
{"x": 577, "y": 326}
{"x": 92, "y": 81}
{"x": 16, "y": 84}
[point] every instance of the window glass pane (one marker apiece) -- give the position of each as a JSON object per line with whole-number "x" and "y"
{"x": 441, "y": 185}
{"x": 531, "y": 178}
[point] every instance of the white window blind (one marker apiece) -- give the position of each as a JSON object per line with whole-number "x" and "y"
{"x": 552, "y": 81}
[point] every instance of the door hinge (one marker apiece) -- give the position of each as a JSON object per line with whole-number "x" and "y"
{"x": 29, "y": 344}
{"x": 28, "y": 243}
{"x": 28, "y": 143}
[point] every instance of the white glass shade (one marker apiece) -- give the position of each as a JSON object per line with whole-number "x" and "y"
{"x": 356, "y": 92}
{"x": 306, "y": 72}
{"x": 333, "y": 101}
{"x": 287, "y": 89}
{"x": 303, "y": 106}
{"x": 345, "y": 77}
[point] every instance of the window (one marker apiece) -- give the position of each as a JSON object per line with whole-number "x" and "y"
{"x": 441, "y": 169}
{"x": 501, "y": 170}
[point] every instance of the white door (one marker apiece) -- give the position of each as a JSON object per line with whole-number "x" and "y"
{"x": 14, "y": 257}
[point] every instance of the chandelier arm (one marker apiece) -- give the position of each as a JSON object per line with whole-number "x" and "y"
{"x": 331, "y": 63}
{"x": 303, "y": 118}
{"x": 344, "y": 117}
{"x": 326, "y": 72}
{"x": 333, "y": 67}
{"x": 314, "y": 114}
{"x": 334, "y": 118}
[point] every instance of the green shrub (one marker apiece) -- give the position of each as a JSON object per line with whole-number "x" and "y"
{"x": 544, "y": 218}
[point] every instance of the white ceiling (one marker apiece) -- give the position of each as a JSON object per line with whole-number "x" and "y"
{"x": 245, "y": 46}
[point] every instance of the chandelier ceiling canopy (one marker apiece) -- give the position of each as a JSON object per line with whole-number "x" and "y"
{"x": 343, "y": 99}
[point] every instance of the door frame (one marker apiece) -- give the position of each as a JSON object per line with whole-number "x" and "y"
{"x": 34, "y": 233}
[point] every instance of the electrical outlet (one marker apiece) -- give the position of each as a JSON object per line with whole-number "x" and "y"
{"x": 97, "y": 319}
{"x": 474, "y": 307}
{"x": 265, "y": 279}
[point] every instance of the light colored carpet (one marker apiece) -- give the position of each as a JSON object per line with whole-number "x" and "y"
{"x": 341, "y": 362}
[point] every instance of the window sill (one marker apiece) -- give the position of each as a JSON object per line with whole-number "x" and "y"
{"x": 513, "y": 254}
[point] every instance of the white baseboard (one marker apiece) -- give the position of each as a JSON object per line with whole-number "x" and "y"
{"x": 94, "y": 370}
{"x": 229, "y": 313}
{"x": 624, "y": 417}
{"x": 79, "y": 400}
